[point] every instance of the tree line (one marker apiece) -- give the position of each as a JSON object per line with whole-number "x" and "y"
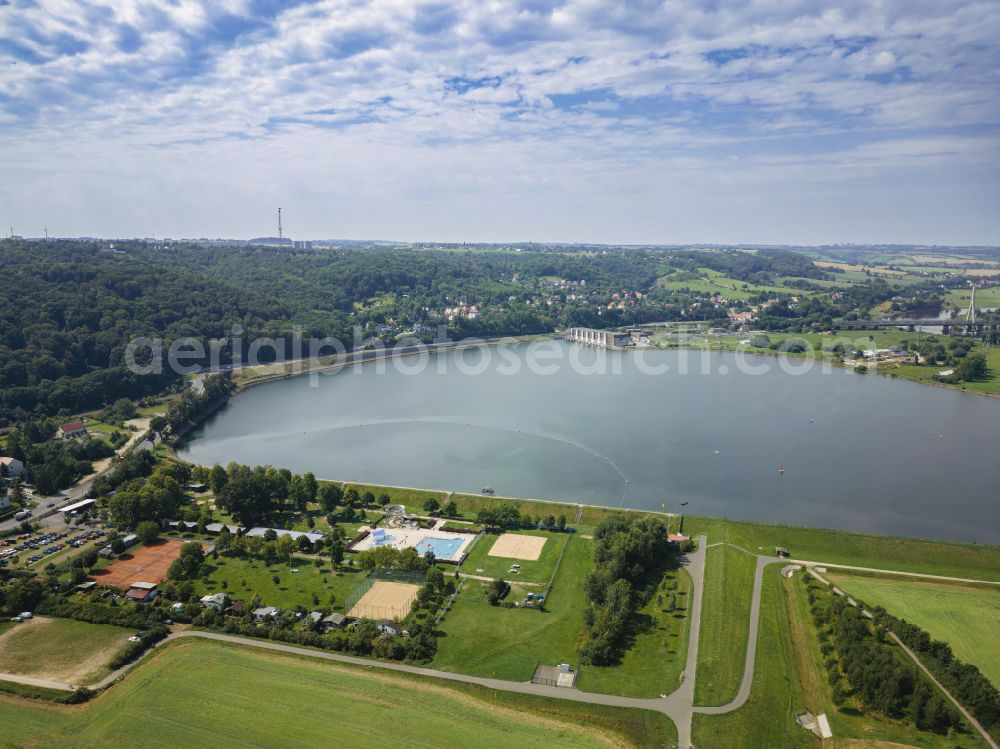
{"x": 628, "y": 552}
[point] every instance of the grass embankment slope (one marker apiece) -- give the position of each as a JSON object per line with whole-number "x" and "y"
{"x": 275, "y": 700}
{"x": 768, "y": 717}
{"x": 789, "y": 677}
{"x": 973, "y": 561}
{"x": 964, "y": 617}
{"x": 60, "y": 649}
{"x": 725, "y": 623}
{"x": 851, "y": 728}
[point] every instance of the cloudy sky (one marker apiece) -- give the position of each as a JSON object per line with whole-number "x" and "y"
{"x": 777, "y": 121}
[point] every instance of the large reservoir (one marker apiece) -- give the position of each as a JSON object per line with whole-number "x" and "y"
{"x": 642, "y": 429}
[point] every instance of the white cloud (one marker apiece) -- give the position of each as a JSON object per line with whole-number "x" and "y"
{"x": 590, "y": 99}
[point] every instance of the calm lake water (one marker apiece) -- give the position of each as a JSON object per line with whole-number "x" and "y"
{"x": 860, "y": 452}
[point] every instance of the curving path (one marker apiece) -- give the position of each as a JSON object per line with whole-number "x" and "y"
{"x": 743, "y": 694}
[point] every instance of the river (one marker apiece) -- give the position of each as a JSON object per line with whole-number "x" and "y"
{"x": 860, "y": 452}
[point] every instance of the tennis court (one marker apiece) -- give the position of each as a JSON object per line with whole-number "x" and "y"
{"x": 148, "y": 564}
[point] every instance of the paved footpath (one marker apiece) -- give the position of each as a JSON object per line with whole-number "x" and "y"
{"x": 751, "y": 656}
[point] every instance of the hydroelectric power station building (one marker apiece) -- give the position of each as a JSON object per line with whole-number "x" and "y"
{"x": 606, "y": 338}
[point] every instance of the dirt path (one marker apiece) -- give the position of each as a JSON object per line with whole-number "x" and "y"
{"x": 965, "y": 713}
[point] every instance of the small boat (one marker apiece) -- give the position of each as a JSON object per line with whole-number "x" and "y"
{"x": 487, "y": 490}
{"x": 781, "y": 468}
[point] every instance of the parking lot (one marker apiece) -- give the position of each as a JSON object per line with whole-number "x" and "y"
{"x": 43, "y": 545}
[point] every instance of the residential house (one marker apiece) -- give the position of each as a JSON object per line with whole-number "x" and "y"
{"x": 264, "y": 613}
{"x": 388, "y": 627}
{"x": 237, "y": 608}
{"x": 215, "y": 601}
{"x": 10, "y": 468}
{"x": 72, "y": 430}
{"x": 334, "y": 621}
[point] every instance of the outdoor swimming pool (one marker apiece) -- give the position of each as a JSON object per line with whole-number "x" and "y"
{"x": 446, "y": 546}
{"x": 443, "y": 548}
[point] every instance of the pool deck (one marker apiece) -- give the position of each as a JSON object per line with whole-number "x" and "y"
{"x": 411, "y": 538}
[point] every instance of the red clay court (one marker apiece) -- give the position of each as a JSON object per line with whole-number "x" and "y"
{"x": 147, "y": 564}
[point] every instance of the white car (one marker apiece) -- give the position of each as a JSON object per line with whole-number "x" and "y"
{"x": 26, "y": 615}
{"x": 16, "y": 619}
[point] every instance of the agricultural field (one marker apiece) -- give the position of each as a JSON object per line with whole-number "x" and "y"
{"x": 725, "y": 621}
{"x": 486, "y": 640}
{"x": 61, "y": 650}
{"x": 714, "y": 282}
{"x": 286, "y": 701}
{"x": 480, "y": 562}
{"x": 242, "y": 578}
{"x": 964, "y": 617}
{"x": 657, "y": 647}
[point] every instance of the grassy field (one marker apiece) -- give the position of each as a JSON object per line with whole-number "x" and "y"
{"x": 657, "y": 648}
{"x": 849, "y": 726}
{"x": 60, "y": 649}
{"x": 964, "y": 617}
{"x": 508, "y": 643}
{"x": 273, "y": 700}
{"x": 883, "y": 552}
{"x": 725, "y": 622}
{"x": 244, "y": 578}
{"x": 768, "y": 717}
{"x": 479, "y": 561}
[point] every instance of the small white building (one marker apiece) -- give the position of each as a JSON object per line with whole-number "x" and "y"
{"x": 215, "y": 601}
{"x": 10, "y": 468}
{"x": 264, "y": 613}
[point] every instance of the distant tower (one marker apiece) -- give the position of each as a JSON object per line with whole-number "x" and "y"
{"x": 970, "y": 314}
{"x": 46, "y": 232}
{"x": 280, "y": 235}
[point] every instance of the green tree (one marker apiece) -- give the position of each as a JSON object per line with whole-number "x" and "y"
{"x": 148, "y": 531}
{"x": 432, "y": 505}
{"x": 217, "y": 479}
{"x": 972, "y": 367}
{"x": 329, "y": 497}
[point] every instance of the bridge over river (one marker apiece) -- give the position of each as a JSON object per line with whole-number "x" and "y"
{"x": 973, "y": 326}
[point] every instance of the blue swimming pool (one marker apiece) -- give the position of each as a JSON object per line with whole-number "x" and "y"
{"x": 443, "y": 548}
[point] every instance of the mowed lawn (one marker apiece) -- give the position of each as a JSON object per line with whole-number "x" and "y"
{"x": 60, "y": 649}
{"x": 725, "y": 622}
{"x": 244, "y": 578}
{"x": 656, "y": 648}
{"x": 964, "y": 617}
{"x": 768, "y": 717}
{"x": 274, "y": 700}
{"x": 503, "y": 643}
{"x": 479, "y": 561}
